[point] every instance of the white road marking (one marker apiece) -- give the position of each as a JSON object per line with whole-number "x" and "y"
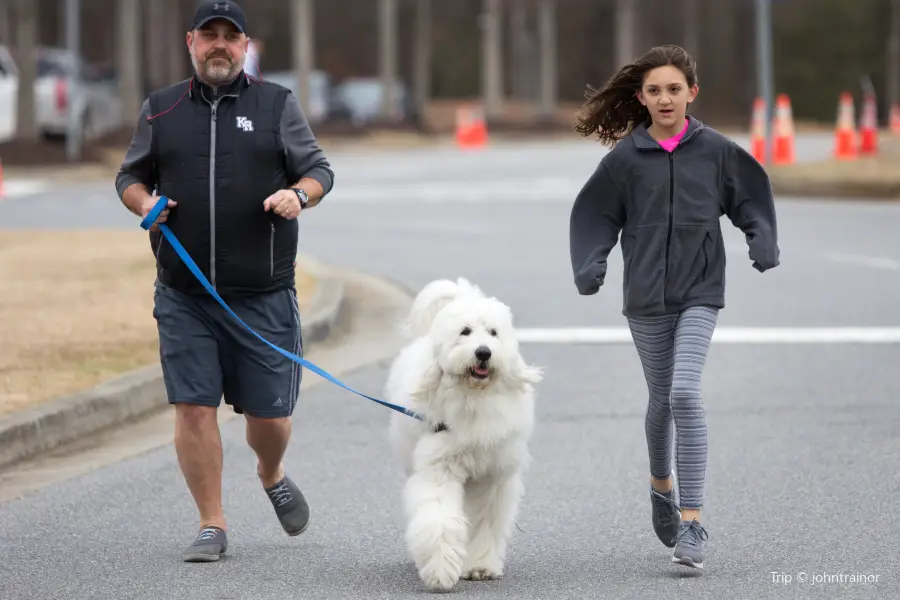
{"x": 875, "y": 262}
{"x": 17, "y": 188}
{"x": 546, "y": 189}
{"x": 722, "y": 335}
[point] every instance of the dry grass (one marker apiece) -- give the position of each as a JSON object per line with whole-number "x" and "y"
{"x": 76, "y": 309}
{"x": 868, "y": 177}
{"x": 864, "y": 169}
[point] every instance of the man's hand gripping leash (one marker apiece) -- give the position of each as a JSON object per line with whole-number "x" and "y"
{"x": 151, "y": 221}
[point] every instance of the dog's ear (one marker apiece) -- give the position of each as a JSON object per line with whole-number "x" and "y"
{"x": 429, "y": 380}
{"x": 527, "y": 373}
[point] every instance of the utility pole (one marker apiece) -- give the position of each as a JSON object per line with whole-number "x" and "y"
{"x": 303, "y": 47}
{"x": 547, "y": 33}
{"x": 764, "y": 68}
{"x": 387, "y": 57}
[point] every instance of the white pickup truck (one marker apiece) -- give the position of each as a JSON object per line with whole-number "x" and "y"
{"x": 100, "y": 112}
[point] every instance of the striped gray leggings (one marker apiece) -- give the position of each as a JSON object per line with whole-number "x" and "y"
{"x": 673, "y": 349}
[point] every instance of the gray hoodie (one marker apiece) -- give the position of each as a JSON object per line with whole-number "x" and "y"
{"x": 667, "y": 208}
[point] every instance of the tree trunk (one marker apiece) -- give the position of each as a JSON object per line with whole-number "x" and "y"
{"x": 129, "y": 59}
{"x": 422, "y": 65}
{"x": 303, "y": 46}
{"x": 387, "y": 57}
{"x": 175, "y": 47}
{"x": 549, "y": 68}
{"x": 26, "y": 42}
{"x": 5, "y": 29}
{"x": 893, "y": 62}
{"x": 492, "y": 59}
{"x": 626, "y": 32}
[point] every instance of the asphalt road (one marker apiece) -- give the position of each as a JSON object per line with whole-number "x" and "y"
{"x": 803, "y": 444}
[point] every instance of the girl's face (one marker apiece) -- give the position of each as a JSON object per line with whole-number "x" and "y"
{"x": 666, "y": 95}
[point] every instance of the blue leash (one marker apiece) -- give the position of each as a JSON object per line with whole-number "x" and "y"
{"x": 186, "y": 258}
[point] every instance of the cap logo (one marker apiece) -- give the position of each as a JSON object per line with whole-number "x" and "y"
{"x": 221, "y": 6}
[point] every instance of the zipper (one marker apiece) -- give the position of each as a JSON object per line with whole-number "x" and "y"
{"x": 212, "y": 185}
{"x": 272, "y": 251}
{"x": 212, "y": 193}
{"x": 671, "y": 215}
{"x": 162, "y": 240}
{"x": 705, "y": 257}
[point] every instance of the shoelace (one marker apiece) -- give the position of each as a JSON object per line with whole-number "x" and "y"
{"x": 692, "y": 533}
{"x": 668, "y": 502}
{"x": 208, "y": 533}
{"x": 280, "y": 495}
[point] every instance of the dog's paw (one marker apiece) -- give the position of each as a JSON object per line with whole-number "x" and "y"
{"x": 482, "y": 574}
{"x": 439, "y": 579}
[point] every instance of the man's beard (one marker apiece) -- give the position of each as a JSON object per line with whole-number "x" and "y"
{"x": 215, "y": 71}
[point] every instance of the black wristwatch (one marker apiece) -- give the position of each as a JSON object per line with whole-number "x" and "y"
{"x": 304, "y": 199}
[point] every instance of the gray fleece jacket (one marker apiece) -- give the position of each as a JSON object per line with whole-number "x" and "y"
{"x": 667, "y": 208}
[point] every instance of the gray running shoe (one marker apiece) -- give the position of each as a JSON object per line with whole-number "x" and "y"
{"x": 666, "y": 516}
{"x": 210, "y": 544}
{"x": 689, "y": 544}
{"x": 290, "y": 506}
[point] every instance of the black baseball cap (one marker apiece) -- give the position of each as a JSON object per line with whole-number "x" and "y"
{"x": 220, "y": 9}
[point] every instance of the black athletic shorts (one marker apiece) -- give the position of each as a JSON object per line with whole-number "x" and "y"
{"x": 206, "y": 354}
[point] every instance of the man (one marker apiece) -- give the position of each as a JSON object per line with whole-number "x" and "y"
{"x": 239, "y": 163}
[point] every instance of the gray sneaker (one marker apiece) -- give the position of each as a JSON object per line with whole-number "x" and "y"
{"x": 666, "y": 516}
{"x": 210, "y": 544}
{"x": 689, "y": 544}
{"x": 290, "y": 506}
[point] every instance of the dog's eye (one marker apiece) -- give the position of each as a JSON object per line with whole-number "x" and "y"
{"x": 466, "y": 331}
{"x": 494, "y": 332}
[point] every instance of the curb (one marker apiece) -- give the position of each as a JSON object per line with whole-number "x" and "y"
{"x": 138, "y": 393}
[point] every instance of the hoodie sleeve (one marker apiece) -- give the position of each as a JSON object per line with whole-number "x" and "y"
{"x": 598, "y": 216}
{"x": 750, "y": 206}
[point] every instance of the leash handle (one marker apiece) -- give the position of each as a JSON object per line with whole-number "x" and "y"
{"x": 148, "y": 222}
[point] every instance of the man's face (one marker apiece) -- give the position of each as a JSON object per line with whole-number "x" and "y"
{"x": 217, "y": 51}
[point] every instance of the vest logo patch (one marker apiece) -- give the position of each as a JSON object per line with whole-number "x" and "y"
{"x": 245, "y": 124}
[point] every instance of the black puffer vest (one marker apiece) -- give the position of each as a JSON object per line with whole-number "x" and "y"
{"x": 219, "y": 156}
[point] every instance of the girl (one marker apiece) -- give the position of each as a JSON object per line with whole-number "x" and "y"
{"x": 664, "y": 186}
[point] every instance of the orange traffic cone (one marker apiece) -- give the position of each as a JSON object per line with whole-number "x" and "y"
{"x": 783, "y": 134}
{"x": 758, "y": 130}
{"x": 868, "y": 127}
{"x": 845, "y": 132}
{"x": 895, "y": 119}
{"x": 471, "y": 131}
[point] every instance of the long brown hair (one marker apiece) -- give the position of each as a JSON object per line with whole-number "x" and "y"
{"x": 613, "y": 111}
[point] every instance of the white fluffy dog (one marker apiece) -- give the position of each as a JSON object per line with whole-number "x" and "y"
{"x": 463, "y": 373}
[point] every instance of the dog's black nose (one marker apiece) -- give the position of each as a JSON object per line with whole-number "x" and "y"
{"x": 482, "y": 353}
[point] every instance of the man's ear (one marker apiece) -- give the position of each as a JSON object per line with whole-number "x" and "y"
{"x": 189, "y": 40}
